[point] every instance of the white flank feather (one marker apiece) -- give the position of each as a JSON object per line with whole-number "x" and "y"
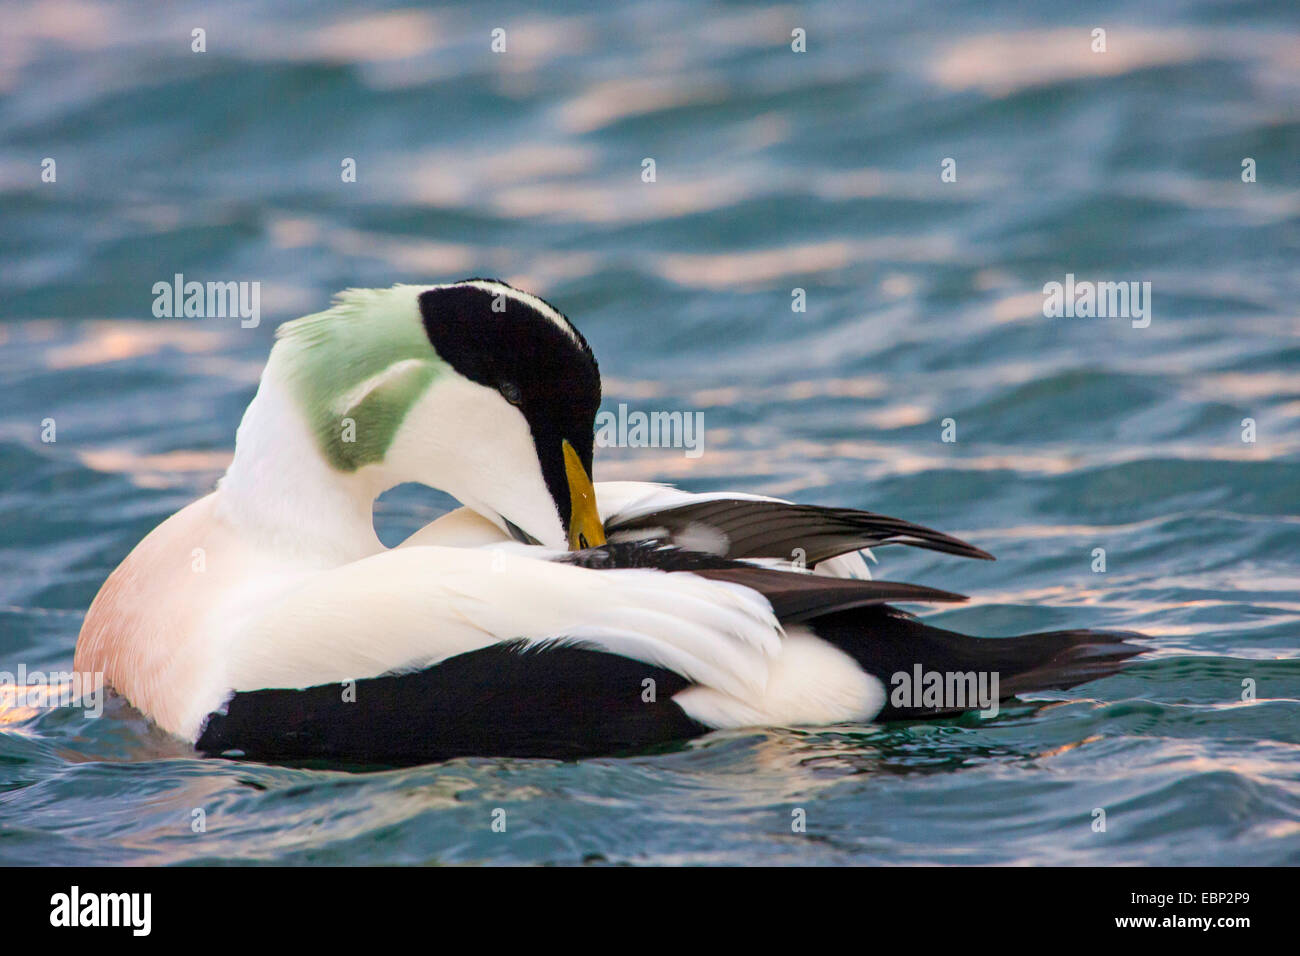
{"x": 412, "y": 607}
{"x": 810, "y": 683}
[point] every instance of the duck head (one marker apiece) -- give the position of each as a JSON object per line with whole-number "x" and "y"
{"x": 475, "y": 388}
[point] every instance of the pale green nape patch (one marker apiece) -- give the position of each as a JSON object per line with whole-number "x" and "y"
{"x": 357, "y": 368}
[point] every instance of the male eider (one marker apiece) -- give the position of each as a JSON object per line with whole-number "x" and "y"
{"x": 548, "y": 617}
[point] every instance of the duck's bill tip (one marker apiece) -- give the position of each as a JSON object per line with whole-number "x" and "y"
{"x": 585, "y": 528}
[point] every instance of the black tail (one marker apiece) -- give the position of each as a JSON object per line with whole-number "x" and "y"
{"x": 892, "y": 645}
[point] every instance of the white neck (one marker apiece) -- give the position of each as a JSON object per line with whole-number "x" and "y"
{"x": 280, "y": 492}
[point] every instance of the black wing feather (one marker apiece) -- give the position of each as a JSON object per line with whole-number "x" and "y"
{"x": 794, "y": 596}
{"x": 774, "y": 529}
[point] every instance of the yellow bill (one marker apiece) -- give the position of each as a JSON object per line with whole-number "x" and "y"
{"x": 585, "y": 529}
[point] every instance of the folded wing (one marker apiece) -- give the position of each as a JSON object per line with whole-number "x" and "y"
{"x": 750, "y": 526}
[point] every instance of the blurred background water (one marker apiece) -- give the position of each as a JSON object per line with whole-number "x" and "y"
{"x": 775, "y": 170}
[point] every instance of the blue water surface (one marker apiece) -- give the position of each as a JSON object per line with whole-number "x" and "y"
{"x": 774, "y": 171}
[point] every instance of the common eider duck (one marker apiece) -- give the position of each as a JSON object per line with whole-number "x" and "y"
{"x": 546, "y": 617}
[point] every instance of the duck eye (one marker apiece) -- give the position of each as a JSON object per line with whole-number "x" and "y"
{"x": 510, "y": 392}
